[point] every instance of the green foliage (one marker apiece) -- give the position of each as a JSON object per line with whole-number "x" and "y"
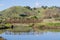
{"x": 44, "y": 7}
{"x": 8, "y": 24}
{"x": 28, "y": 7}
{"x": 53, "y": 24}
{"x": 23, "y": 15}
{"x": 34, "y": 8}
{"x": 35, "y": 17}
{"x": 38, "y": 11}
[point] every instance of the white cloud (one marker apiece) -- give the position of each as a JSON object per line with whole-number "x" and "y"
{"x": 1, "y": 4}
{"x": 37, "y": 4}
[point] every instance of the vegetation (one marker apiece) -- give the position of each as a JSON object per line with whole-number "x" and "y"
{"x": 22, "y": 19}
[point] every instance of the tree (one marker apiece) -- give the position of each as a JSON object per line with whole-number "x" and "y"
{"x": 0, "y": 14}
{"x": 44, "y": 7}
{"x": 28, "y": 7}
{"x": 12, "y": 26}
{"x": 34, "y": 8}
{"x": 35, "y": 17}
{"x": 23, "y": 15}
{"x": 0, "y": 21}
{"x": 38, "y": 11}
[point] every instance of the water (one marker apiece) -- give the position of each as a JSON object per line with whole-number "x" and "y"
{"x": 32, "y": 36}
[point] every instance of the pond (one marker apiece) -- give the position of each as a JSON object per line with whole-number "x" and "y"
{"x": 31, "y": 36}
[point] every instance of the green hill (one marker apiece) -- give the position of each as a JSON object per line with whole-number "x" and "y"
{"x": 19, "y": 11}
{"x": 16, "y": 11}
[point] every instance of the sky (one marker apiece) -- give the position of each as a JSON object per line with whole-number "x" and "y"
{"x": 4, "y": 4}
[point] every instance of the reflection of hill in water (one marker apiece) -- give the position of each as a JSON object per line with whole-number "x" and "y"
{"x": 23, "y": 33}
{"x": 30, "y": 33}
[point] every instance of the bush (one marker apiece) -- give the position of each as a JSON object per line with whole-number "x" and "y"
{"x": 53, "y": 24}
{"x": 8, "y": 24}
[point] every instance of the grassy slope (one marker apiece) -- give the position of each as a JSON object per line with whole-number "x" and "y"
{"x": 16, "y": 11}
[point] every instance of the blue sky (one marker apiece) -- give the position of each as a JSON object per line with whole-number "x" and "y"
{"x": 32, "y": 3}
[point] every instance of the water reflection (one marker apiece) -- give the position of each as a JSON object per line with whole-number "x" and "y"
{"x": 31, "y": 32}
{"x": 42, "y": 35}
{"x": 23, "y": 33}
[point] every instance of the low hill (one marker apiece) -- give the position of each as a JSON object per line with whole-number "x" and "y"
{"x": 26, "y": 13}
{"x": 16, "y": 11}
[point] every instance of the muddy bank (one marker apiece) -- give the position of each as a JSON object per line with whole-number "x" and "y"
{"x": 45, "y": 27}
{"x": 1, "y": 38}
{"x": 52, "y": 27}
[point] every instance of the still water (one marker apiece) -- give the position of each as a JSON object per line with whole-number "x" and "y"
{"x": 32, "y": 36}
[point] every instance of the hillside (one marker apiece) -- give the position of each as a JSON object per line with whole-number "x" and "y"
{"x": 48, "y": 13}
{"x": 16, "y": 11}
{"x": 29, "y": 15}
